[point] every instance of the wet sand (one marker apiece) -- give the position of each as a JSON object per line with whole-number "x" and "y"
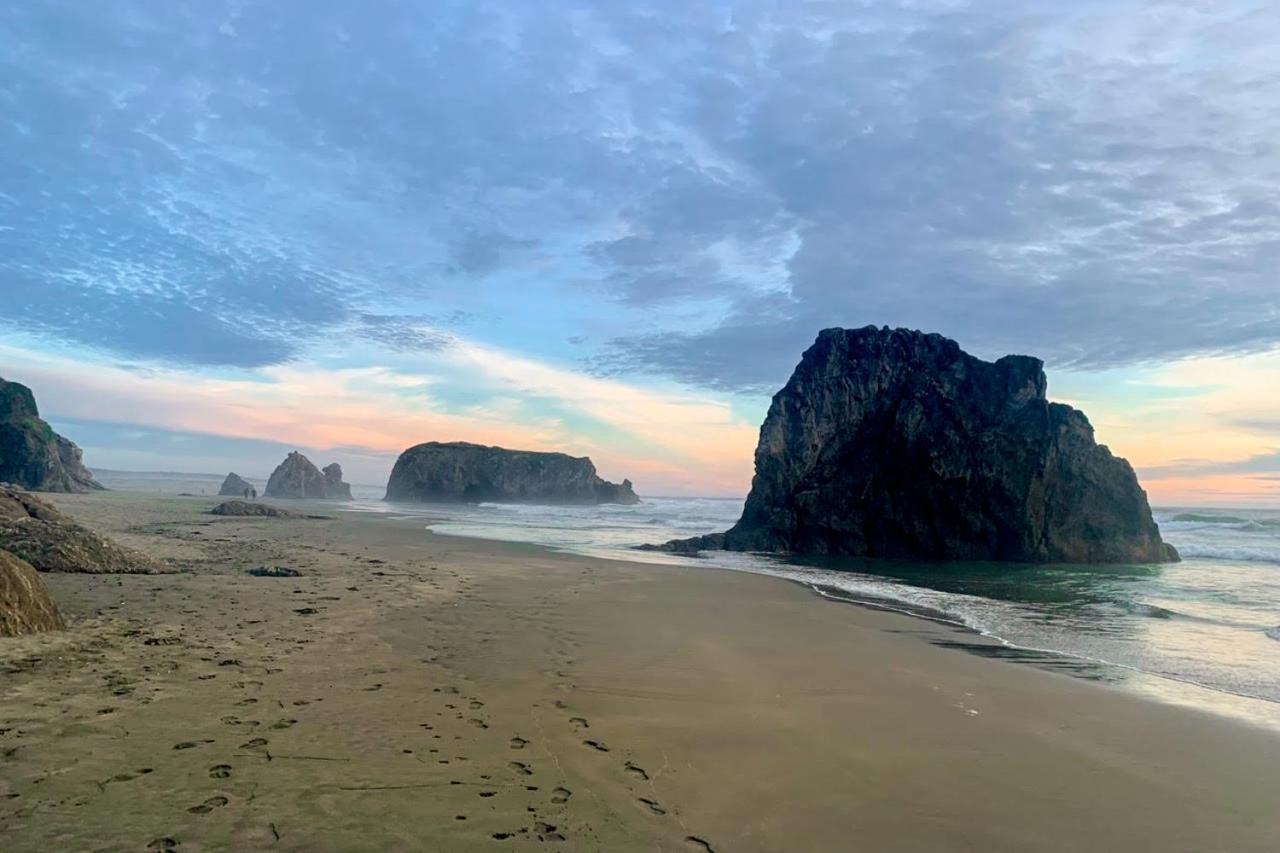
{"x": 416, "y": 692}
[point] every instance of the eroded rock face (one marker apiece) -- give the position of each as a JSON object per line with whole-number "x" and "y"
{"x": 32, "y": 455}
{"x": 895, "y": 443}
{"x": 38, "y": 533}
{"x": 235, "y": 486}
{"x": 25, "y": 605}
{"x": 297, "y": 478}
{"x": 459, "y": 472}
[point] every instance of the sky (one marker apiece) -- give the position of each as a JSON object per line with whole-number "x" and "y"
{"x": 232, "y": 228}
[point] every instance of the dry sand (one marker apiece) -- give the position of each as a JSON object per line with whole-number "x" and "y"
{"x": 415, "y": 692}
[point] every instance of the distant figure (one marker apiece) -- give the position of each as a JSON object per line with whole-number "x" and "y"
{"x": 254, "y": 493}
{"x": 246, "y": 493}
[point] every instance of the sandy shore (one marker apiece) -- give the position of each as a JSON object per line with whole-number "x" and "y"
{"x": 413, "y": 692}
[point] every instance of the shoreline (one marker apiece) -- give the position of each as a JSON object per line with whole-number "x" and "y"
{"x": 416, "y": 690}
{"x": 1219, "y": 702}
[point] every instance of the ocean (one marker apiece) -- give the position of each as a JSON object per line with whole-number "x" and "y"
{"x": 1204, "y": 632}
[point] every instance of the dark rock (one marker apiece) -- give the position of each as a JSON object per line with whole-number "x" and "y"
{"x": 25, "y": 604}
{"x": 297, "y": 478}
{"x": 32, "y": 455}
{"x": 51, "y": 542}
{"x": 459, "y": 472}
{"x": 247, "y": 509}
{"x": 274, "y": 572}
{"x": 235, "y": 486}
{"x": 895, "y": 443}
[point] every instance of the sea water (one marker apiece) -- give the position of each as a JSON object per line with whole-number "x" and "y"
{"x": 1203, "y": 632}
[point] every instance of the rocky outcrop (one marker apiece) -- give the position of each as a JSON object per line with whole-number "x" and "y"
{"x": 245, "y": 509}
{"x": 338, "y": 490}
{"x": 296, "y": 478}
{"x": 235, "y": 486}
{"x": 36, "y": 532}
{"x": 894, "y": 443}
{"x": 32, "y": 455}
{"x": 25, "y": 605}
{"x": 459, "y": 472}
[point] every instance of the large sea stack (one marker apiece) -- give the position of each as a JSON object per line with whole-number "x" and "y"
{"x": 895, "y": 443}
{"x": 459, "y": 472}
{"x": 32, "y": 455}
{"x": 297, "y": 478}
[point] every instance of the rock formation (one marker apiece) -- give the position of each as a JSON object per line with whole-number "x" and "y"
{"x": 459, "y": 472}
{"x": 36, "y": 532}
{"x": 235, "y": 486}
{"x": 247, "y": 509}
{"x": 32, "y": 455}
{"x": 894, "y": 443}
{"x": 297, "y": 478}
{"x": 25, "y": 605}
{"x": 337, "y": 489}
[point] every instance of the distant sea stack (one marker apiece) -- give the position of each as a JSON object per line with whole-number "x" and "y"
{"x": 32, "y": 455}
{"x": 235, "y": 486}
{"x": 459, "y": 472}
{"x": 297, "y": 478}
{"x": 895, "y": 443}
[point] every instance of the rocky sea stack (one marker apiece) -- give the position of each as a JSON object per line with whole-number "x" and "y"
{"x": 459, "y": 472}
{"x": 32, "y": 455}
{"x": 297, "y": 478}
{"x": 235, "y": 486}
{"x": 895, "y": 443}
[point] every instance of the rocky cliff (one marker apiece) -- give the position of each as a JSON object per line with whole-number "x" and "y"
{"x": 296, "y": 478}
{"x": 32, "y": 455}
{"x": 458, "y": 472}
{"x": 894, "y": 443}
{"x": 235, "y": 486}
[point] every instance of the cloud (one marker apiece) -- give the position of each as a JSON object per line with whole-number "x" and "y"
{"x": 1262, "y": 463}
{"x": 698, "y": 188}
{"x": 664, "y": 438}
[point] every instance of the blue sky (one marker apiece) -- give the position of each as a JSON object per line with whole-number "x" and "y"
{"x": 612, "y": 228}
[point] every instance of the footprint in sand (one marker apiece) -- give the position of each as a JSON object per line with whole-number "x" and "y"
{"x": 163, "y": 844}
{"x": 284, "y": 724}
{"x": 256, "y": 743}
{"x": 520, "y": 767}
{"x": 652, "y": 806}
{"x": 560, "y": 796}
{"x": 700, "y": 843}
{"x": 187, "y": 744}
{"x": 479, "y": 724}
{"x": 547, "y": 832}
{"x": 518, "y": 743}
{"x": 220, "y": 771}
{"x": 638, "y": 772}
{"x": 579, "y": 723}
{"x": 209, "y": 805}
{"x": 596, "y": 745}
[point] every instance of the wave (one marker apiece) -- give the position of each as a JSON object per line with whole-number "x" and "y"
{"x": 1273, "y": 633}
{"x": 1211, "y": 551}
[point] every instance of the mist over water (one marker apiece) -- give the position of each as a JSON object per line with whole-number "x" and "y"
{"x": 1204, "y": 632}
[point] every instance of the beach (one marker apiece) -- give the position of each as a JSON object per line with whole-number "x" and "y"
{"x": 412, "y": 691}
